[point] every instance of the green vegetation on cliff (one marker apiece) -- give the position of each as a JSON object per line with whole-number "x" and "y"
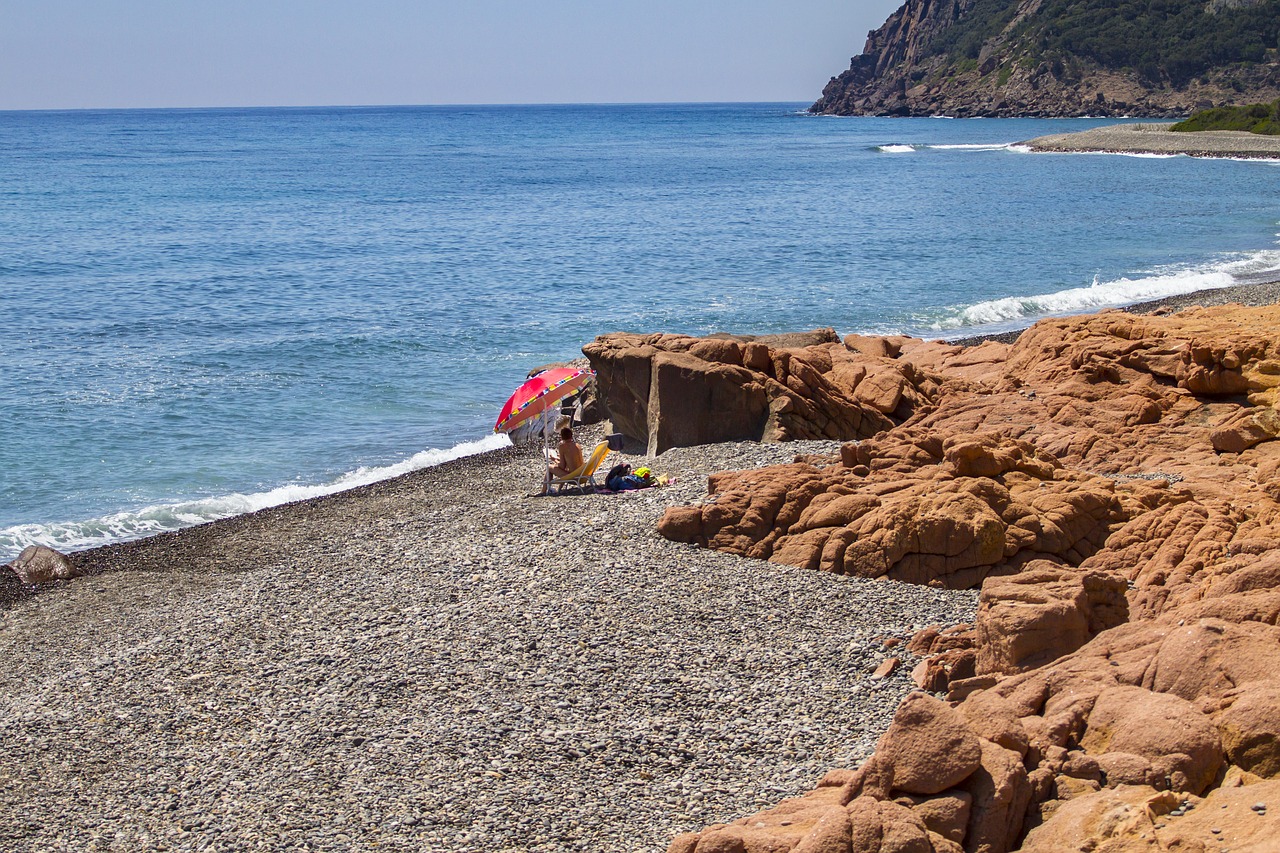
{"x": 1176, "y": 40}
{"x": 1255, "y": 118}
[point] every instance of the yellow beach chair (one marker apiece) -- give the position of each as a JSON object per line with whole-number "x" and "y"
{"x": 585, "y": 477}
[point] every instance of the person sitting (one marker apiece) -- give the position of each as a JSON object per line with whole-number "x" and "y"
{"x": 567, "y": 457}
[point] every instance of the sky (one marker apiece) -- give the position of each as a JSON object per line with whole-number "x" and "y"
{"x": 75, "y": 54}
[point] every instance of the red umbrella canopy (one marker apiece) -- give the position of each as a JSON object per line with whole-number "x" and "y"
{"x": 540, "y": 393}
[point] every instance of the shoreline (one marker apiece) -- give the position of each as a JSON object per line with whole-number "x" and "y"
{"x": 100, "y": 558}
{"x": 1156, "y": 139}
{"x": 441, "y": 661}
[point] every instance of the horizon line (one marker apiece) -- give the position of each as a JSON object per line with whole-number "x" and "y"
{"x": 461, "y": 105}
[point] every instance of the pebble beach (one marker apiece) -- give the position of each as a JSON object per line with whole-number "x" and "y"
{"x": 440, "y": 662}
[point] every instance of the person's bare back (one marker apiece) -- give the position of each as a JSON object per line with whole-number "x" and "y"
{"x": 568, "y": 455}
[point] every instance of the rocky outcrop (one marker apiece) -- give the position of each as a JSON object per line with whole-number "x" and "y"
{"x": 1112, "y": 484}
{"x": 965, "y": 507}
{"x": 901, "y": 73}
{"x": 659, "y": 389}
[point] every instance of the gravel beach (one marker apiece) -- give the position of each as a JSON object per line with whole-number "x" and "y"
{"x": 1158, "y": 139}
{"x": 440, "y": 662}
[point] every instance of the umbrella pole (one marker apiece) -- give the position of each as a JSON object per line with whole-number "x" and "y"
{"x": 546, "y": 454}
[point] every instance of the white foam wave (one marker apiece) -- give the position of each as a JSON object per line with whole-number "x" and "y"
{"x": 975, "y": 146}
{"x": 1015, "y": 310}
{"x": 134, "y": 524}
{"x": 896, "y": 149}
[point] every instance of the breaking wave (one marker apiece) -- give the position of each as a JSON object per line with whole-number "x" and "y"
{"x": 904, "y": 148}
{"x": 162, "y": 518}
{"x": 1016, "y": 311}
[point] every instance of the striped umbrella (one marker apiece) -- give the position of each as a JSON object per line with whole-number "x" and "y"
{"x": 540, "y": 393}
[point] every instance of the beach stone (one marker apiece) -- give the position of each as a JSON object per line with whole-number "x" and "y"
{"x": 929, "y": 746}
{"x": 887, "y": 666}
{"x": 40, "y": 564}
{"x": 441, "y": 662}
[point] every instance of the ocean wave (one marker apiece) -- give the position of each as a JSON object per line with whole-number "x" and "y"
{"x": 974, "y": 146}
{"x": 1015, "y": 311}
{"x": 912, "y": 148}
{"x": 148, "y": 521}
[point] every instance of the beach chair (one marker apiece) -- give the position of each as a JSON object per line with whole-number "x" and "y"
{"x": 585, "y": 477}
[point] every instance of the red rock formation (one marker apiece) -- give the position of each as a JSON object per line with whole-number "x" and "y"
{"x": 660, "y": 388}
{"x": 1113, "y": 484}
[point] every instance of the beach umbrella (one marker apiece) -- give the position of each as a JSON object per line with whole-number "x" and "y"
{"x": 539, "y": 393}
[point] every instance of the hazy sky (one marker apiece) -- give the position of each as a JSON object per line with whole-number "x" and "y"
{"x": 59, "y": 54}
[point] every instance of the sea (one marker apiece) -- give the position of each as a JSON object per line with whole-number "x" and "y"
{"x": 209, "y": 311}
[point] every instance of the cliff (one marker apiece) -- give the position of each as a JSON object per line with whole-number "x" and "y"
{"x": 1054, "y": 58}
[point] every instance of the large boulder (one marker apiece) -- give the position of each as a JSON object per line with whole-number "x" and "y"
{"x": 1136, "y": 818}
{"x": 1126, "y": 657}
{"x": 675, "y": 390}
{"x": 1000, "y": 794}
{"x": 1249, "y": 725}
{"x": 929, "y": 745}
{"x": 1180, "y": 742}
{"x": 40, "y": 564}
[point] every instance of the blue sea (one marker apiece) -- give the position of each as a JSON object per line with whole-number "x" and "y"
{"x": 206, "y": 312}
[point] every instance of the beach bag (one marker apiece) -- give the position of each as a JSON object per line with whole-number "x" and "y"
{"x": 613, "y": 480}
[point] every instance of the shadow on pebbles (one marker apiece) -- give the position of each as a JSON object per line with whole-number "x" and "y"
{"x": 440, "y": 662}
